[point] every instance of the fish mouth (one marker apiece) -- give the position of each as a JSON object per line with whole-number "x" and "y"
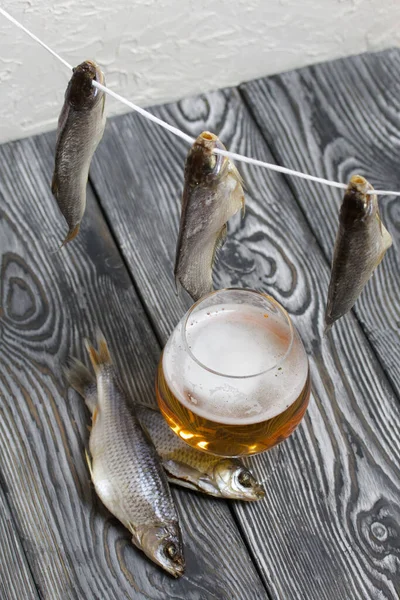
{"x": 258, "y": 492}
{"x": 360, "y": 184}
{"x": 204, "y": 164}
{"x": 82, "y": 94}
{"x": 176, "y": 569}
{"x": 162, "y": 544}
{"x": 208, "y": 136}
{"x": 358, "y": 188}
{"x": 210, "y": 141}
{"x": 91, "y": 69}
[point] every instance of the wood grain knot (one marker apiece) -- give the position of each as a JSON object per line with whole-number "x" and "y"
{"x": 22, "y": 295}
{"x": 381, "y": 528}
{"x": 236, "y": 257}
{"x": 194, "y": 110}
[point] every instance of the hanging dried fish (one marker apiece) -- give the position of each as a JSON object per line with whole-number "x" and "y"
{"x": 212, "y": 194}
{"x": 80, "y": 129}
{"x": 361, "y": 243}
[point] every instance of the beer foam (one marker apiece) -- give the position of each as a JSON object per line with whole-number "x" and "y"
{"x": 262, "y": 371}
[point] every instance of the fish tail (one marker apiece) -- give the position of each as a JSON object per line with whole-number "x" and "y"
{"x": 101, "y": 356}
{"x": 83, "y": 381}
{"x": 178, "y": 287}
{"x": 387, "y": 238}
{"x": 328, "y": 327}
{"x": 54, "y": 185}
{"x": 78, "y": 376}
{"x": 72, "y": 233}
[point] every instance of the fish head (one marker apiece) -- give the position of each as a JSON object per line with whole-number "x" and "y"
{"x": 235, "y": 481}
{"x": 357, "y": 204}
{"x": 202, "y": 165}
{"x": 162, "y": 543}
{"x": 81, "y": 94}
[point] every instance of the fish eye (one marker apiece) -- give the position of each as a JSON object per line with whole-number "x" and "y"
{"x": 171, "y": 550}
{"x": 245, "y": 479}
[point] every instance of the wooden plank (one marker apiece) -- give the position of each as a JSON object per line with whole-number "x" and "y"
{"x": 329, "y": 525}
{"x": 334, "y": 120}
{"x": 16, "y": 580}
{"x": 50, "y": 302}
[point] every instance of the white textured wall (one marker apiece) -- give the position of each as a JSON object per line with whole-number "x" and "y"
{"x": 153, "y": 51}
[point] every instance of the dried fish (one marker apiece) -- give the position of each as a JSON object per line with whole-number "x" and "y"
{"x": 212, "y": 194}
{"x": 80, "y": 129}
{"x": 126, "y": 471}
{"x": 361, "y": 243}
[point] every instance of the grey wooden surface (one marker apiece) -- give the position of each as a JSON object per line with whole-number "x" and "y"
{"x": 16, "y": 580}
{"x": 50, "y": 302}
{"x": 329, "y": 526}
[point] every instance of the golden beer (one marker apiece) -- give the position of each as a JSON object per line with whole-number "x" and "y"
{"x": 233, "y": 378}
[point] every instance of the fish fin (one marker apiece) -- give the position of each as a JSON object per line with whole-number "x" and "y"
{"x": 89, "y": 463}
{"x": 72, "y": 233}
{"x": 189, "y": 477}
{"x": 78, "y": 375}
{"x": 387, "y": 241}
{"x": 239, "y": 199}
{"x": 83, "y": 381}
{"x": 132, "y": 529}
{"x": 54, "y": 185}
{"x": 219, "y": 242}
{"x": 101, "y": 356}
{"x": 178, "y": 287}
{"x": 94, "y": 415}
{"x": 222, "y": 236}
{"x": 387, "y": 238}
{"x": 328, "y": 325}
{"x": 234, "y": 170}
{"x": 239, "y": 187}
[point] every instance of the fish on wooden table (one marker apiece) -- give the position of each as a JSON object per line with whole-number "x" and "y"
{"x": 361, "y": 243}
{"x": 126, "y": 470}
{"x": 80, "y": 129}
{"x": 185, "y": 466}
{"x": 212, "y": 194}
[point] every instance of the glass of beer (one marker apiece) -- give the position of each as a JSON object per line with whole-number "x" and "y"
{"x": 233, "y": 378}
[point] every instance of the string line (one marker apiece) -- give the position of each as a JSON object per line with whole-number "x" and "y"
{"x": 188, "y": 138}
{"x": 33, "y": 36}
{"x": 145, "y": 113}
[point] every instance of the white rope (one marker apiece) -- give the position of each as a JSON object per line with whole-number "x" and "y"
{"x": 33, "y": 36}
{"x": 145, "y": 113}
{"x": 272, "y": 167}
{"x": 188, "y": 138}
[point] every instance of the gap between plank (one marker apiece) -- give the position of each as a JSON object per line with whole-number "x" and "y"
{"x": 292, "y": 190}
{"x": 4, "y": 487}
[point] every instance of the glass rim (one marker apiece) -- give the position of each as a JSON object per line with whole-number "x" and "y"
{"x": 281, "y": 310}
